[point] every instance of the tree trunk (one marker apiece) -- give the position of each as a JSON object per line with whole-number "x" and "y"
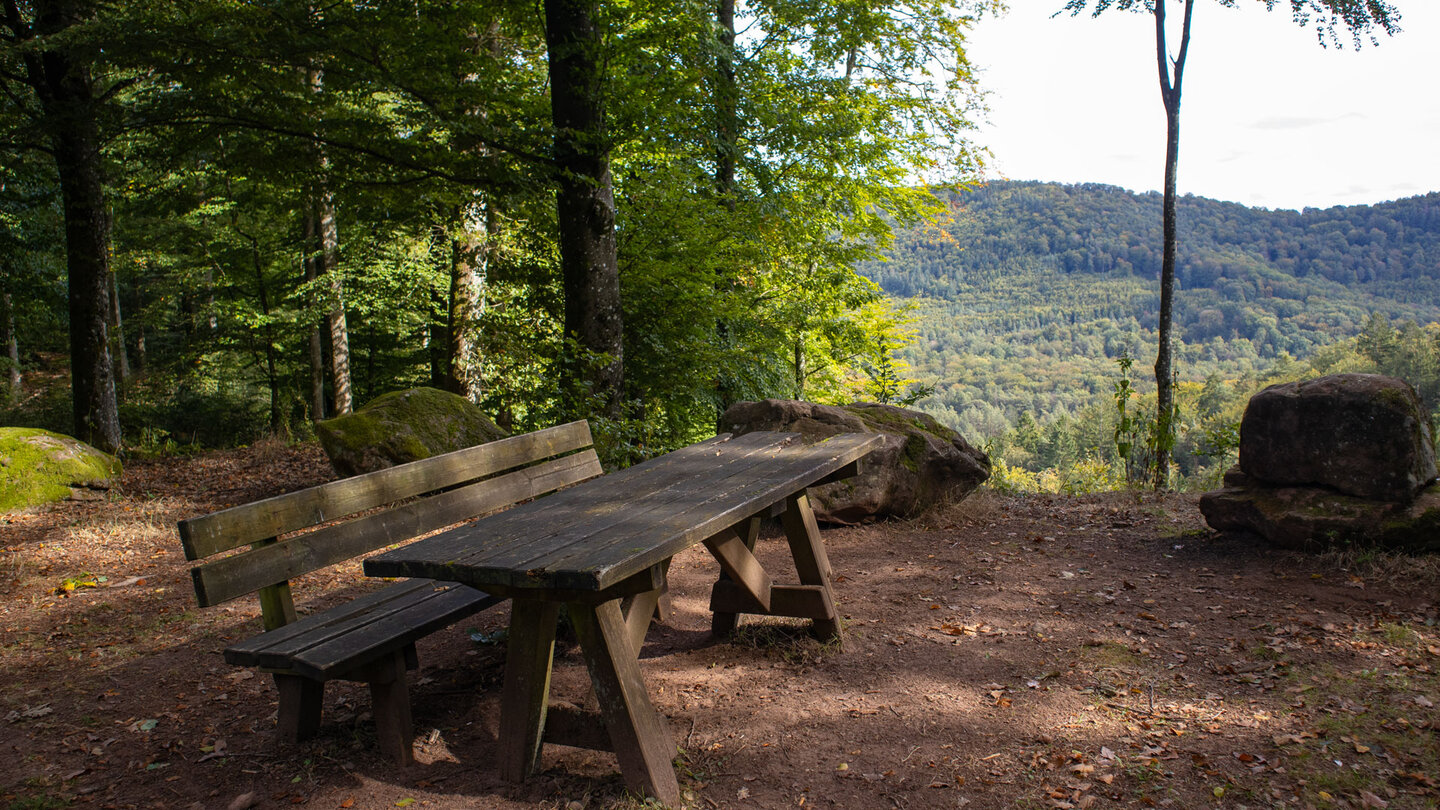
{"x": 67, "y": 95}
{"x": 316, "y": 349}
{"x": 14, "y": 384}
{"x": 585, "y": 202}
{"x": 1171, "y": 78}
{"x": 437, "y": 336}
{"x": 469, "y": 268}
{"x": 328, "y": 265}
{"x": 140, "y": 324}
{"x": 727, "y": 148}
{"x": 117, "y": 333}
{"x": 727, "y": 102}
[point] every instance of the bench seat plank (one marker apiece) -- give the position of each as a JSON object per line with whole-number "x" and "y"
{"x": 327, "y": 645}
{"x": 394, "y": 629}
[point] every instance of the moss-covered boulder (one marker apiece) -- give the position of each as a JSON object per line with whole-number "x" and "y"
{"x": 920, "y": 463}
{"x": 37, "y": 466}
{"x": 1315, "y": 518}
{"x": 404, "y": 426}
{"x": 1344, "y": 459}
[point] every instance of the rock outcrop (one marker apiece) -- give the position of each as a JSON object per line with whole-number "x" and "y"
{"x": 920, "y": 463}
{"x": 1348, "y": 458}
{"x": 37, "y": 466}
{"x": 404, "y": 426}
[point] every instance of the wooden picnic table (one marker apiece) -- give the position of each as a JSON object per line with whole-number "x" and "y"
{"x": 602, "y": 548}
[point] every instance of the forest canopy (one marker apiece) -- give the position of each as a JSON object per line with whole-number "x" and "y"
{"x": 270, "y": 211}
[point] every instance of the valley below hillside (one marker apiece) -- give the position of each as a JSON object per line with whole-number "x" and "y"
{"x": 1025, "y": 295}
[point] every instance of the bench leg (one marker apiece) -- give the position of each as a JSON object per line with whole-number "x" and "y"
{"x": 642, "y": 742}
{"x": 390, "y": 703}
{"x": 300, "y": 702}
{"x": 528, "y": 658}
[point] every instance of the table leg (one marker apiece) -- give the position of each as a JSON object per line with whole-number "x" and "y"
{"x": 642, "y": 742}
{"x": 529, "y": 655}
{"x": 722, "y": 623}
{"x": 811, "y": 562}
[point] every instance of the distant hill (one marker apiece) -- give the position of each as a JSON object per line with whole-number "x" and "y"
{"x": 1027, "y": 292}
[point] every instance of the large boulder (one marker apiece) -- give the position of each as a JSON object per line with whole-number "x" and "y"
{"x": 37, "y": 466}
{"x": 1311, "y": 518}
{"x": 920, "y": 462}
{"x": 1365, "y": 435}
{"x": 1348, "y": 458}
{"x": 404, "y": 426}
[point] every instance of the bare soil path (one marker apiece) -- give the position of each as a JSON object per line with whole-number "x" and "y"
{"x": 1099, "y": 651}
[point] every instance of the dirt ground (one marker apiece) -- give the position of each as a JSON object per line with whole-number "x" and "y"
{"x": 1036, "y": 652}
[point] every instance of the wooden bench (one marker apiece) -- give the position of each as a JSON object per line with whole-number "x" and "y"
{"x": 370, "y": 639}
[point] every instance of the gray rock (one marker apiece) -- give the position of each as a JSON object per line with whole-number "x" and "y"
{"x": 1311, "y": 518}
{"x": 920, "y": 463}
{"x": 1345, "y": 459}
{"x": 404, "y": 426}
{"x": 1365, "y": 435}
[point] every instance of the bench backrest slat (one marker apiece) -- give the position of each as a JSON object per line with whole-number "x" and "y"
{"x": 241, "y": 574}
{"x": 272, "y": 517}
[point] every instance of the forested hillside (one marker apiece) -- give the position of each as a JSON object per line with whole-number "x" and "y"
{"x": 1027, "y": 293}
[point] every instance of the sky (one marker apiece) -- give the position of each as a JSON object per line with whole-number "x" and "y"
{"x": 1268, "y": 117}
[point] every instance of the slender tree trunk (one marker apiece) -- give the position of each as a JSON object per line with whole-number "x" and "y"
{"x": 14, "y": 384}
{"x": 117, "y": 333}
{"x": 727, "y": 149}
{"x": 267, "y": 334}
{"x": 799, "y": 367}
{"x": 1171, "y": 77}
{"x": 328, "y": 262}
{"x": 727, "y": 102}
{"x": 469, "y": 269}
{"x": 67, "y": 95}
{"x": 140, "y": 324}
{"x": 437, "y": 336}
{"x": 327, "y": 265}
{"x": 316, "y": 349}
{"x": 585, "y": 200}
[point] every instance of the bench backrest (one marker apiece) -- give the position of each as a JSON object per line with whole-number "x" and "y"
{"x": 455, "y": 486}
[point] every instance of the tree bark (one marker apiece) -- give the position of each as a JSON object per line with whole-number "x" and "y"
{"x": 14, "y": 384}
{"x": 585, "y": 202}
{"x": 727, "y": 149}
{"x": 727, "y": 102}
{"x": 117, "y": 333}
{"x": 66, "y": 89}
{"x": 316, "y": 349}
{"x": 1164, "y": 439}
{"x": 470, "y": 257}
{"x": 327, "y": 264}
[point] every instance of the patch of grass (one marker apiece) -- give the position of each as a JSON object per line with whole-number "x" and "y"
{"x": 41, "y": 802}
{"x": 1114, "y": 655}
{"x": 1416, "y": 572}
{"x": 791, "y": 638}
{"x": 1370, "y": 729}
{"x": 15, "y": 569}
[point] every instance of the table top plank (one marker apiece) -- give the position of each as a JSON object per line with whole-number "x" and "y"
{"x": 515, "y": 535}
{"x": 627, "y": 506}
{"x": 597, "y": 534}
{"x": 659, "y": 536}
